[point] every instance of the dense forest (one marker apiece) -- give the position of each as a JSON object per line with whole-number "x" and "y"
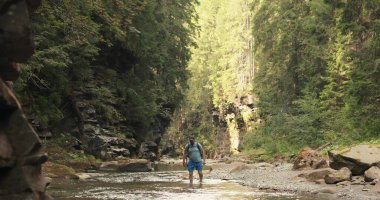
{"x": 265, "y": 77}
{"x": 126, "y": 60}
{"x": 284, "y": 75}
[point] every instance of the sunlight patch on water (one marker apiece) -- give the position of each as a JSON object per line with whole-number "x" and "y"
{"x": 175, "y": 193}
{"x": 159, "y": 185}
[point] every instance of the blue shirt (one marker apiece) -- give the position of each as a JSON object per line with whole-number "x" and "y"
{"x": 193, "y": 152}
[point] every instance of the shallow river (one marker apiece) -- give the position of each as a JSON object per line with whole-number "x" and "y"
{"x": 158, "y": 185}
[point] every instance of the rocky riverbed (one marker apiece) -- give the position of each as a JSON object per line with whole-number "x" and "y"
{"x": 310, "y": 174}
{"x": 281, "y": 177}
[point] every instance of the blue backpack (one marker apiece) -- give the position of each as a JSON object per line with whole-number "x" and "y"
{"x": 198, "y": 146}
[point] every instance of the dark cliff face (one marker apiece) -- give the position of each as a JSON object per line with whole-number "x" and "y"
{"x": 21, "y": 154}
{"x": 97, "y": 135}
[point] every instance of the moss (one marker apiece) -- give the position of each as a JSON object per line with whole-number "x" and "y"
{"x": 54, "y": 170}
{"x": 61, "y": 152}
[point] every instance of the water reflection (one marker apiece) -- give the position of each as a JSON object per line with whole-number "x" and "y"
{"x": 157, "y": 185}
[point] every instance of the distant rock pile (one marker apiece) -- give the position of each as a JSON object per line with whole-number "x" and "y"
{"x": 356, "y": 165}
{"x": 357, "y": 158}
{"x": 360, "y": 161}
{"x": 21, "y": 152}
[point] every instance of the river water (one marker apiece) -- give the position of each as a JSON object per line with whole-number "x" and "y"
{"x": 157, "y": 185}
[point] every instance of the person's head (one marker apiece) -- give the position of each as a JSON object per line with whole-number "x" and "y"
{"x": 192, "y": 139}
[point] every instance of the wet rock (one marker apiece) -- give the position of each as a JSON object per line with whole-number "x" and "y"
{"x": 357, "y": 158}
{"x": 343, "y": 174}
{"x": 372, "y": 174}
{"x": 344, "y": 183}
{"x": 107, "y": 166}
{"x": 130, "y": 165}
{"x": 325, "y": 190}
{"x": 120, "y": 151}
{"x": 317, "y": 174}
{"x": 357, "y": 180}
{"x": 309, "y": 159}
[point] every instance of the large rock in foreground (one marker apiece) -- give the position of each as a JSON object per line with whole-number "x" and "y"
{"x": 372, "y": 174}
{"x": 316, "y": 174}
{"x": 343, "y": 174}
{"x": 357, "y": 158}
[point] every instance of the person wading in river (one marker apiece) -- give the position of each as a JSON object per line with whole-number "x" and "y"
{"x": 192, "y": 158}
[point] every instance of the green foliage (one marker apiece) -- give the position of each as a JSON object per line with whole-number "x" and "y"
{"x": 312, "y": 66}
{"x": 317, "y": 67}
{"x": 220, "y": 69}
{"x": 128, "y": 57}
{"x": 60, "y": 152}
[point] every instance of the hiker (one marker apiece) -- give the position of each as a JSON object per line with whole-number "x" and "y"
{"x": 192, "y": 158}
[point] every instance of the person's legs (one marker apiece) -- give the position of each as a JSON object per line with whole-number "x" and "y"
{"x": 191, "y": 177}
{"x": 190, "y": 168}
{"x": 199, "y": 167}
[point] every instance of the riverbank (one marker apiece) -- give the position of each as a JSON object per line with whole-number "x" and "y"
{"x": 281, "y": 177}
{"x": 69, "y": 163}
{"x": 264, "y": 176}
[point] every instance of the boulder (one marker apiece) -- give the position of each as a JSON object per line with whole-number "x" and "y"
{"x": 357, "y": 158}
{"x": 130, "y": 143}
{"x": 317, "y": 174}
{"x": 120, "y": 151}
{"x": 357, "y": 180}
{"x": 149, "y": 150}
{"x": 21, "y": 153}
{"x": 309, "y": 159}
{"x": 107, "y": 147}
{"x": 344, "y": 183}
{"x": 129, "y": 165}
{"x": 240, "y": 168}
{"x": 343, "y": 174}
{"x": 169, "y": 150}
{"x": 372, "y": 174}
